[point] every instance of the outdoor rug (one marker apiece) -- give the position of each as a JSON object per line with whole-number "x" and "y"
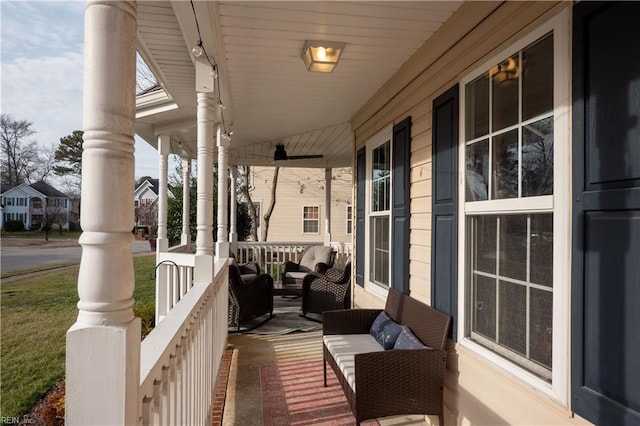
{"x": 287, "y": 320}
{"x": 293, "y": 393}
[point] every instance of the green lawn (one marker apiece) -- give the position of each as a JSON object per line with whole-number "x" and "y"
{"x": 39, "y": 234}
{"x": 35, "y": 315}
{"x": 37, "y": 269}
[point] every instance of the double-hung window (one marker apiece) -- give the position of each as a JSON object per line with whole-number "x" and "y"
{"x": 379, "y": 208}
{"x": 514, "y": 160}
{"x": 310, "y": 219}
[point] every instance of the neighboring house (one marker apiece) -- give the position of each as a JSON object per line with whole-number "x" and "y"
{"x": 300, "y": 210}
{"x": 36, "y": 204}
{"x": 146, "y": 205}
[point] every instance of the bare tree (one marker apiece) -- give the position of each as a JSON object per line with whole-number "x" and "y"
{"x": 272, "y": 205}
{"x": 55, "y": 214}
{"x": 20, "y": 157}
{"x": 244, "y": 189}
{"x": 46, "y": 164}
{"x": 145, "y": 79}
{"x": 147, "y": 215}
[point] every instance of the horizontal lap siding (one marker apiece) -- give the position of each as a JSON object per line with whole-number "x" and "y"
{"x": 473, "y": 33}
{"x": 303, "y": 187}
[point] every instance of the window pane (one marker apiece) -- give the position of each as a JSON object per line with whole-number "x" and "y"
{"x": 380, "y": 250}
{"x": 484, "y": 313}
{"x": 484, "y": 253}
{"x": 505, "y": 93}
{"x": 513, "y": 317}
{"x": 513, "y": 246}
{"x": 537, "y": 78}
{"x": 477, "y": 108}
{"x": 381, "y": 176}
{"x": 477, "y": 173}
{"x": 537, "y": 158}
{"x": 310, "y": 226}
{"x": 311, "y": 212}
{"x": 505, "y": 165}
{"x": 541, "y": 326}
{"x": 541, "y": 269}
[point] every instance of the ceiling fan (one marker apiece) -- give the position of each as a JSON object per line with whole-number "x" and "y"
{"x": 281, "y": 154}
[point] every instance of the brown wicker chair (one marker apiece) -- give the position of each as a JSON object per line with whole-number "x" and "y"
{"x": 396, "y": 381}
{"x": 326, "y": 292}
{"x": 250, "y": 295}
{"x": 314, "y": 259}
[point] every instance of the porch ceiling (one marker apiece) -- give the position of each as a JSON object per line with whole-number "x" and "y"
{"x": 269, "y": 96}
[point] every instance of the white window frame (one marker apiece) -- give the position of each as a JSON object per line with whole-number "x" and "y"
{"x": 303, "y": 219}
{"x": 349, "y": 216}
{"x": 559, "y": 202}
{"x": 384, "y": 135}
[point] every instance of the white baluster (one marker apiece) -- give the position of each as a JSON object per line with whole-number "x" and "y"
{"x": 157, "y": 400}
{"x": 146, "y": 411}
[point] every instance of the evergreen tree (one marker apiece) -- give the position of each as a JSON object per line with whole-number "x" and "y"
{"x": 68, "y": 156}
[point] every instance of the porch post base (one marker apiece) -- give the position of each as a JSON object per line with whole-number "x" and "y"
{"x": 222, "y": 249}
{"x": 103, "y": 374}
{"x": 162, "y": 245}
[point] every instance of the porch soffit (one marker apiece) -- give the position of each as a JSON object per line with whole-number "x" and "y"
{"x": 270, "y": 98}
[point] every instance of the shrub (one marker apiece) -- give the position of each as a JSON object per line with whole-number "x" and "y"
{"x": 53, "y": 410}
{"x": 146, "y": 311}
{"x": 14, "y": 226}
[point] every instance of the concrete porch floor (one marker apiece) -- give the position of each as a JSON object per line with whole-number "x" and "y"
{"x": 243, "y": 403}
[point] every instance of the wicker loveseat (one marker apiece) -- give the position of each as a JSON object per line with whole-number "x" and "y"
{"x": 379, "y": 382}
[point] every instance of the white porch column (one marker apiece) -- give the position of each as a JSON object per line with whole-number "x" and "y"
{"x": 327, "y": 203}
{"x": 233, "y": 211}
{"x": 103, "y": 346}
{"x": 185, "y": 238}
{"x": 163, "y": 196}
{"x": 204, "y": 236}
{"x": 222, "y": 244}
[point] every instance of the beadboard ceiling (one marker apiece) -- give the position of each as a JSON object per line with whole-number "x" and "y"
{"x": 269, "y": 96}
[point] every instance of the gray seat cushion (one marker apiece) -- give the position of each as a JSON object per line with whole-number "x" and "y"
{"x": 344, "y": 347}
{"x": 314, "y": 255}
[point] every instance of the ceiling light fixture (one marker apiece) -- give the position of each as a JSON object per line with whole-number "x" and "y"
{"x": 321, "y": 56}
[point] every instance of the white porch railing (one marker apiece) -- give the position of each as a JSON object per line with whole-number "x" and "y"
{"x": 174, "y": 278}
{"x": 181, "y": 357}
{"x": 272, "y": 256}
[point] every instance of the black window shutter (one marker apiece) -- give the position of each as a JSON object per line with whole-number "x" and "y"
{"x": 361, "y": 170}
{"x": 401, "y": 166}
{"x": 605, "y": 285}
{"x": 444, "y": 223}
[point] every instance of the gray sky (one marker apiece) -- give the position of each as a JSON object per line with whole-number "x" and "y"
{"x": 41, "y": 75}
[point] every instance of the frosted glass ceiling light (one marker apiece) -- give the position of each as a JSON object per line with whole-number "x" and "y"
{"x": 321, "y": 56}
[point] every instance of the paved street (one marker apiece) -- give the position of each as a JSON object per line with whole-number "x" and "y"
{"x": 26, "y": 257}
